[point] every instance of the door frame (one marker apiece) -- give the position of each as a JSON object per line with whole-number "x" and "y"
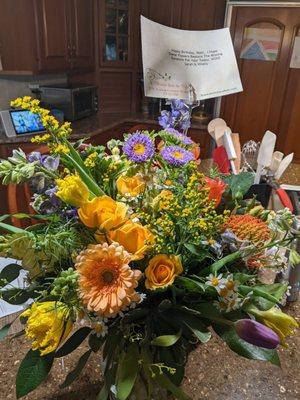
{"x": 228, "y": 16}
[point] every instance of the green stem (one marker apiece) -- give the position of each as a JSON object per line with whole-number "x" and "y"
{"x": 11, "y": 228}
{"x": 87, "y": 179}
{"x": 216, "y": 266}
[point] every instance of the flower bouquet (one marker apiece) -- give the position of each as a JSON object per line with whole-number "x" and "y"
{"x": 134, "y": 250}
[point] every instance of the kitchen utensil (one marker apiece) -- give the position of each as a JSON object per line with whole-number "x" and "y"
{"x": 276, "y": 160}
{"x": 283, "y": 165}
{"x": 214, "y": 123}
{"x": 230, "y": 150}
{"x": 265, "y": 153}
{"x": 221, "y": 159}
{"x": 237, "y": 147}
{"x": 280, "y": 192}
{"x": 218, "y": 134}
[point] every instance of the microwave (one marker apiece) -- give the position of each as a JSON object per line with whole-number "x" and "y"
{"x": 76, "y": 101}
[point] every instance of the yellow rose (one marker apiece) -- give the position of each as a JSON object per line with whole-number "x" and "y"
{"x": 133, "y": 237}
{"x": 103, "y": 212}
{"x": 281, "y": 323}
{"x": 130, "y": 186}
{"x": 162, "y": 271}
{"x": 72, "y": 190}
{"x": 48, "y": 325}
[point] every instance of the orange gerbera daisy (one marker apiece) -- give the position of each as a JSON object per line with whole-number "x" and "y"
{"x": 106, "y": 282}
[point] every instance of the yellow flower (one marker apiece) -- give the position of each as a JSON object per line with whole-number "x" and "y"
{"x": 103, "y": 212}
{"x": 60, "y": 149}
{"x": 72, "y": 190}
{"x": 130, "y": 186}
{"x": 90, "y": 161}
{"x": 48, "y": 325}
{"x": 162, "y": 271}
{"x": 134, "y": 237}
{"x": 281, "y": 323}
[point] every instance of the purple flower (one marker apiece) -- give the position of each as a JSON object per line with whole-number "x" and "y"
{"x": 166, "y": 120}
{"x": 139, "y": 147}
{"x": 50, "y": 162}
{"x": 257, "y": 334}
{"x": 176, "y": 155}
{"x": 180, "y": 136}
{"x": 34, "y": 156}
{"x": 55, "y": 201}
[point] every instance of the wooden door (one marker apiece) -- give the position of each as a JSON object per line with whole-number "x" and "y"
{"x": 54, "y": 34}
{"x": 82, "y": 47}
{"x": 264, "y": 39}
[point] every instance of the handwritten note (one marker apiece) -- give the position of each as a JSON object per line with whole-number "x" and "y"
{"x": 173, "y": 59}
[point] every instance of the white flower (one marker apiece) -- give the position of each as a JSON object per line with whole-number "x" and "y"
{"x": 100, "y": 329}
{"x": 216, "y": 281}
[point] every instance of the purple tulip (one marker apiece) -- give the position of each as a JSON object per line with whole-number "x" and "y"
{"x": 256, "y": 333}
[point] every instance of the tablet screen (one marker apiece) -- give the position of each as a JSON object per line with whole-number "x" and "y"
{"x": 25, "y": 121}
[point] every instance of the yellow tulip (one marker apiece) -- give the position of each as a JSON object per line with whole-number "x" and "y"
{"x": 103, "y": 212}
{"x": 72, "y": 190}
{"x": 48, "y": 325}
{"x": 281, "y": 323}
{"x": 130, "y": 186}
{"x": 134, "y": 237}
{"x": 162, "y": 271}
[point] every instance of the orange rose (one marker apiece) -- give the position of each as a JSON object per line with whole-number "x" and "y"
{"x": 162, "y": 271}
{"x": 134, "y": 237}
{"x": 130, "y": 186}
{"x": 103, "y": 212}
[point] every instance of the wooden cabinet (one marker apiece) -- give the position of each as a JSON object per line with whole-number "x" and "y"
{"x": 46, "y": 36}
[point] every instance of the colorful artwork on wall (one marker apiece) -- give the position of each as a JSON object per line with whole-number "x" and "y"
{"x": 261, "y": 44}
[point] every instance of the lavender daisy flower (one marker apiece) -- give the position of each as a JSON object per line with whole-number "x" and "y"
{"x": 176, "y": 155}
{"x": 139, "y": 147}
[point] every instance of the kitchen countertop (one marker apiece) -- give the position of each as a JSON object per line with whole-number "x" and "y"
{"x": 96, "y": 124}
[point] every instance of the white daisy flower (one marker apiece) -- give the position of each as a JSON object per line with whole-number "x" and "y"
{"x": 216, "y": 281}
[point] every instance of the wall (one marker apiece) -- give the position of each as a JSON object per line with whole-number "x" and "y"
{"x": 12, "y": 87}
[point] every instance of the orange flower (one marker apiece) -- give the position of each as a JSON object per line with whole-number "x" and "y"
{"x": 103, "y": 212}
{"x": 106, "y": 282}
{"x": 130, "y": 186}
{"x": 247, "y": 227}
{"x": 162, "y": 271}
{"x": 216, "y": 189}
{"x": 134, "y": 237}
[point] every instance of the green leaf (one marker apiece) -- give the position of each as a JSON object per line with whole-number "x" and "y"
{"x": 241, "y": 347}
{"x": 164, "y": 381}
{"x": 240, "y": 183}
{"x": 277, "y": 289}
{"x": 127, "y": 371}
{"x": 32, "y": 372}
{"x": 216, "y": 266}
{"x": 258, "y": 292}
{"x": 196, "y": 250}
{"x": 73, "y": 342}
{"x": 77, "y": 370}
{"x": 95, "y": 342}
{"x": 4, "y": 331}
{"x": 242, "y": 278}
{"x": 166, "y": 340}
{"x": 203, "y": 335}
{"x": 260, "y": 303}
{"x": 103, "y": 395}
{"x": 16, "y": 296}
{"x": 190, "y": 284}
{"x": 10, "y": 272}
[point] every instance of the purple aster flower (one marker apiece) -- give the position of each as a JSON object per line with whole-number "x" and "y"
{"x": 257, "y": 334}
{"x": 139, "y": 147}
{"x": 176, "y": 155}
